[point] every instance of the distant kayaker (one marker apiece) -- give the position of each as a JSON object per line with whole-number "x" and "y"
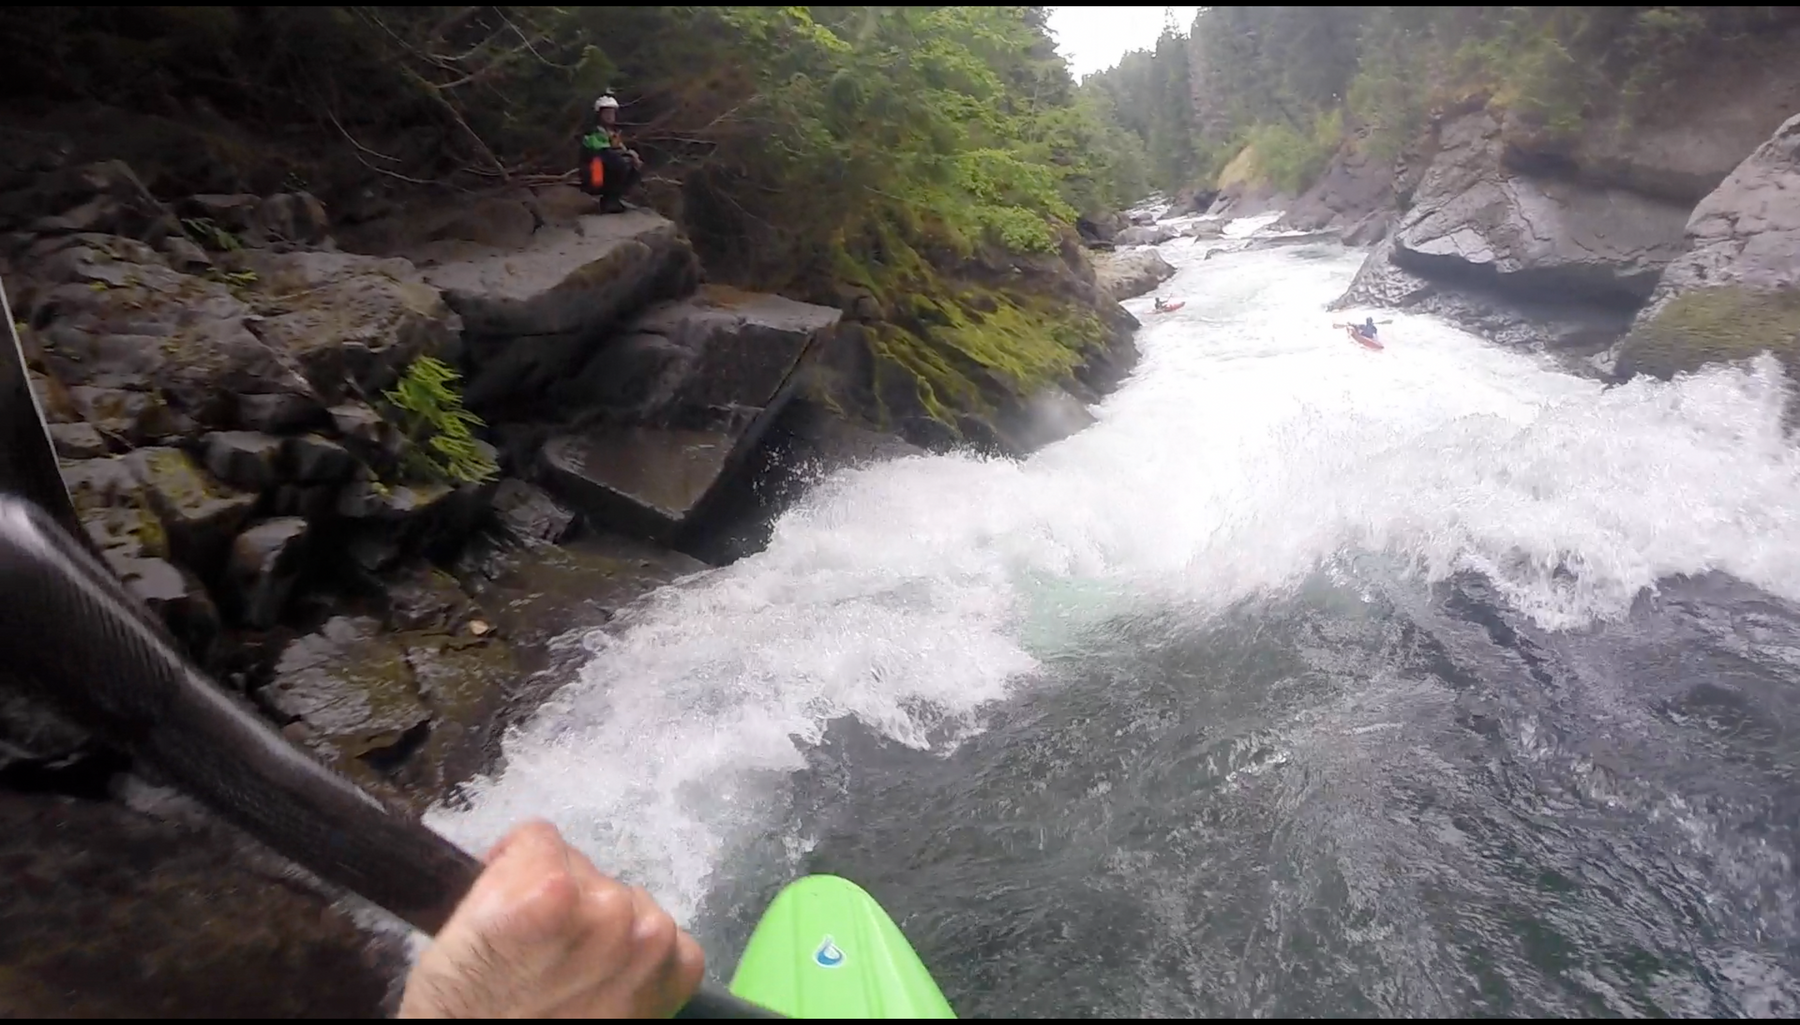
{"x": 1364, "y": 332}
{"x": 543, "y": 934}
{"x": 1160, "y": 305}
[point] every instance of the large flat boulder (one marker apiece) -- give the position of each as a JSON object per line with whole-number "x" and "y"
{"x": 679, "y": 402}
{"x": 1735, "y": 290}
{"x": 150, "y": 352}
{"x": 351, "y": 324}
{"x": 534, "y": 312}
{"x": 1130, "y": 273}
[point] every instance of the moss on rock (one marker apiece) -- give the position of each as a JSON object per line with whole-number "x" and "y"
{"x": 964, "y": 336}
{"x": 1715, "y": 325}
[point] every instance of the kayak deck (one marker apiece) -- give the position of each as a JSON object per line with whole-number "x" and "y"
{"x": 826, "y": 949}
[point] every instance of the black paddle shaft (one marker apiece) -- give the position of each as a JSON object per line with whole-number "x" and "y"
{"x": 71, "y": 627}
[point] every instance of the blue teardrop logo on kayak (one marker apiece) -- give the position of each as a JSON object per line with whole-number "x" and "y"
{"x": 828, "y": 955}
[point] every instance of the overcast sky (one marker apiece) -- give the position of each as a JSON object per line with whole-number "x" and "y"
{"x": 1094, "y": 38}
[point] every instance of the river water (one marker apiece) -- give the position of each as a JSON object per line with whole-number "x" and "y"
{"x": 1309, "y": 681}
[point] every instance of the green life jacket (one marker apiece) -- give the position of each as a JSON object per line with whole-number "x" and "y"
{"x": 597, "y": 140}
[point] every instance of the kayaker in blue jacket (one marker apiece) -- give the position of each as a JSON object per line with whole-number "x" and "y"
{"x": 543, "y": 934}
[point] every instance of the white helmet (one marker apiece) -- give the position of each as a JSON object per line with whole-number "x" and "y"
{"x": 606, "y": 103}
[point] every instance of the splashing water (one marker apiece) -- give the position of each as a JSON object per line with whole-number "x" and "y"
{"x": 1252, "y": 575}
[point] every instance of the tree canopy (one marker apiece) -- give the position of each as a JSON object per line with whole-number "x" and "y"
{"x": 1292, "y": 82}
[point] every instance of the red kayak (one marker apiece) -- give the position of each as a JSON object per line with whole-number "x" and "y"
{"x": 1169, "y": 307}
{"x": 1359, "y": 338}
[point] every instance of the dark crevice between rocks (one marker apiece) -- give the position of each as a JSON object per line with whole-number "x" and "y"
{"x": 1556, "y": 291}
{"x": 389, "y": 760}
{"x": 87, "y": 775}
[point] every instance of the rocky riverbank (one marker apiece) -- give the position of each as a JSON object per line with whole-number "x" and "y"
{"x": 216, "y": 371}
{"x": 1564, "y": 243}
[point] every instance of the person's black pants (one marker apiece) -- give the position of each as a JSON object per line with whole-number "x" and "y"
{"x": 621, "y": 175}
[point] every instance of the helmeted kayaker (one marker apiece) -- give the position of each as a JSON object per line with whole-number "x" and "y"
{"x": 543, "y": 934}
{"x": 608, "y": 167}
{"x": 1160, "y": 305}
{"x": 1366, "y": 329}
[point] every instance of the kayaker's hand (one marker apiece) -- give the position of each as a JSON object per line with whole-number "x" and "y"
{"x": 543, "y": 934}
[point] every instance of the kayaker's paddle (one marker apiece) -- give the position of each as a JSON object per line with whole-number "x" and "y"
{"x": 69, "y": 625}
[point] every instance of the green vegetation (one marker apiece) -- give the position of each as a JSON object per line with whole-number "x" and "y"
{"x": 1293, "y": 82}
{"x": 803, "y": 149}
{"x": 439, "y": 432}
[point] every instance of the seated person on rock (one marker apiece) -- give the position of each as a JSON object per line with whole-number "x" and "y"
{"x": 608, "y": 169}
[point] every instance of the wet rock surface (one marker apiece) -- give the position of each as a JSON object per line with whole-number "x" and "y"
{"x": 535, "y": 315}
{"x": 1522, "y": 258}
{"x": 112, "y": 912}
{"x": 1735, "y": 290}
{"x": 682, "y": 399}
{"x": 1355, "y": 197}
{"x": 1130, "y": 273}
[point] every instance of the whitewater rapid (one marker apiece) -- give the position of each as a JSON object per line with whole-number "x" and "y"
{"x": 1253, "y": 448}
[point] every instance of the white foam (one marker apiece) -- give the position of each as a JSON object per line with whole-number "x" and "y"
{"x": 1254, "y": 444}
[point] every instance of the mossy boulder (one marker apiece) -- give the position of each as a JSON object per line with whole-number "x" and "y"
{"x": 1735, "y": 291}
{"x": 969, "y": 345}
{"x": 1714, "y": 325}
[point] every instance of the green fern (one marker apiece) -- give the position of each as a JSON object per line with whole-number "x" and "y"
{"x": 207, "y": 233}
{"x": 439, "y": 432}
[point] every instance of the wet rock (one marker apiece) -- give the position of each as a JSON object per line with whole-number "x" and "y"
{"x": 296, "y": 217}
{"x": 311, "y": 459}
{"x": 232, "y": 213}
{"x": 113, "y": 912}
{"x": 200, "y": 514}
{"x": 1126, "y": 275}
{"x": 78, "y": 441}
{"x": 104, "y": 197}
{"x": 116, "y": 510}
{"x": 139, "y": 417}
{"x": 1735, "y": 290}
{"x": 352, "y": 324}
{"x": 110, "y": 501}
{"x": 32, "y": 733}
{"x": 352, "y": 688}
{"x": 1549, "y": 260}
{"x": 373, "y": 499}
{"x": 1144, "y": 235}
{"x": 367, "y": 434}
{"x": 535, "y": 595}
{"x": 698, "y": 381}
{"x": 420, "y": 596}
{"x": 533, "y": 315}
{"x": 310, "y": 502}
{"x": 375, "y": 547}
{"x": 245, "y": 459}
{"x": 1355, "y": 197}
{"x": 1292, "y": 238}
{"x": 466, "y": 683}
{"x": 119, "y": 319}
{"x": 279, "y": 412}
{"x": 184, "y": 255}
{"x": 265, "y": 563}
{"x": 175, "y": 595}
{"x": 529, "y": 514}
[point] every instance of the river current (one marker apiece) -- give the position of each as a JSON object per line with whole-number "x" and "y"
{"x": 1308, "y": 681}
